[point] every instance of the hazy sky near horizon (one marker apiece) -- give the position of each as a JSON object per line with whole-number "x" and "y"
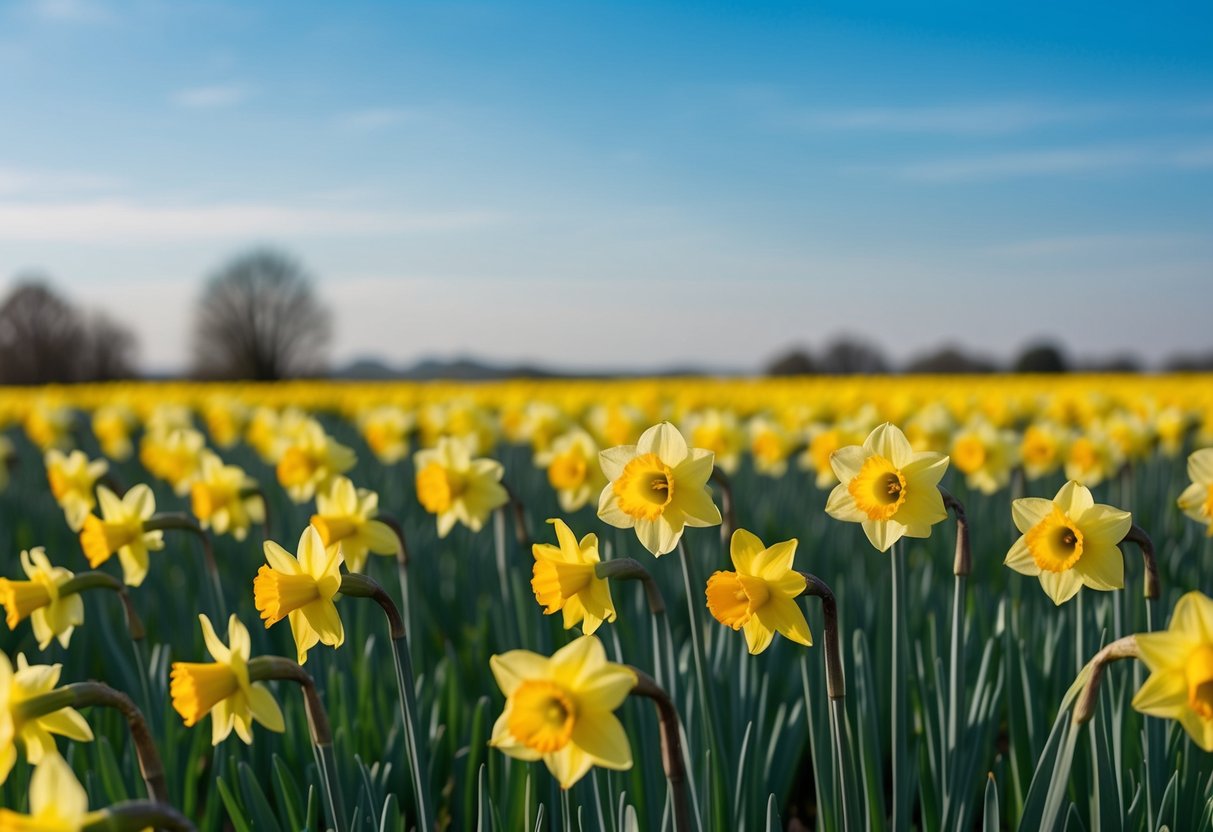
{"x": 625, "y": 184}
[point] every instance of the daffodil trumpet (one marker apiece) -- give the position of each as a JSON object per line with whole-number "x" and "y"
{"x": 671, "y": 746}
{"x": 267, "y": 668}
{"x": 360, "y": 586}
{"x": 96, "y": 694}
{"x": 183, "y": 522}
{"x": 137, "y": 815}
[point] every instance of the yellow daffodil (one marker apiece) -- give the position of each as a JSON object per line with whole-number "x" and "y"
{"x": 455, "y": 487}
{"x": 563, "y": 579}
{"x": 1042, "y": 449}
{"x": 35, "y": 734}
{"x": 57, "y": 801}
{"x": 770, "y": 445}
{"x": 72, "y": 478}
{"x": 930, "y": 428}
{"x": 617, "y": 424}
{"x": 541, "y": 423}
{"x": 760, "y": 596}
{"x": 310, "y": 462}
{"x": 113, "y": 425}
{"x": 222, "y": 688}
{"x": 462, "y": 420}
{"x": 572, "y": 467}
{"x": 1180, "y": 659}
{"x": 120, "y": 530}
{"x": 658, "y": 486}
{"x": 1172, "y": 424}
{"x": 386, "y": 431}
{"x": 1069, "y": 542}
{"x": 888, "y": 487}
{"x": 225, "y": 418}
{"x": 718, "y": 431}
{"x": 1092, "y": 458}
{"x": 222, "y": 498}
{"x": 175, "y": 457}
{"x": 345, "y": 517}
{"x": 301, "y": 590}
{"x": 48, "y": 424}
{"x": 561, "y": 709}
{"x": 1196, "y": 501}
{"x": 262, "y": 434}
{"x": 38, "y": 598}
{"x": 985, "y": 455}
{"x": 823, "y": 442}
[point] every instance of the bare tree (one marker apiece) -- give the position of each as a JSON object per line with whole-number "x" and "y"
{"x": 259, "y": 319}
{"x": 41, "y": 336}
{"x": 110, "y": 349}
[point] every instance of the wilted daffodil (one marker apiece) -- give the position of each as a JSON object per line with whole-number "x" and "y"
{"x": 57, "y": 801}
{"x": 1196, "y": 501}
{"x": 311, "y": 461}
{"x": 222, "y": 688}
{"x": 563, "y": 579}
{"x": 760, "y": 596}
{"x": 72, "y": 478}
{"x": 345, "y": 517}
{"x": 658, "y": 486}
{"x": 886, "y": 486}
{"x": 560, "y": 709}
{"x": 1180, "y": 659}
{"x": 120, "y": 530}
{"x": 27, "y": 682}
{"x": 223, "y": 498}
{"x": 571, "y": 461}
{"x": 386, "y": 431}
{"x": 38, "y": 598}
{"x": 301, "y": 590}
{"x": 1069, "y": 542}
{"x": 456, "y": 487}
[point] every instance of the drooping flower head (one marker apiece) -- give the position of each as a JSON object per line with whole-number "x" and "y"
{"x": 563, "y": 579}
{"x": 759, "y": 597}
{"x": 120, "y": 530}
{"x": 72, "y": 478}
{"x": 222, "y": 688}
{"x": 345, "y": 517}
{"x": 561, "y": 709}
{"x": 658, "y": 487}
{"x": 1180, "y": 660}
{"x": 1196, "y": 501}
{"x": 886, "y": 486}
{"x": 38, "y": 598}
{"x": 1069, "y": 542}
{"x": 35, "y": 735}
{"x": 301, "y": 590}
{"x": 457, "y": 488}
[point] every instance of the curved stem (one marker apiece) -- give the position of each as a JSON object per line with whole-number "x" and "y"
{"x": 84, "y": 581}
{"x": 1085, "y": 706}
{"x": 628, "y": 569}
{"x": 727, "y": 505}
{"x": 402, "y": 570}
{"x": 134, "y": 815}
{"x": 185, "y": 523}
{"x": 1137, "y": 535}
{"x": 962, "y": 563}
{"x": 671, "y": 747}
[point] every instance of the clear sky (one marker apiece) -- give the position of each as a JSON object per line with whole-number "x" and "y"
{"x": 625, "y": 184}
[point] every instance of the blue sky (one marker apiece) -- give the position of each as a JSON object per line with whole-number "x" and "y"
{"x": 605, "y": 185}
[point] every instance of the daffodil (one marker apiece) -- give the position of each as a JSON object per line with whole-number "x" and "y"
{"x": 301, "y": 590}
{"x": 57, "y": 801}
{"x": 113, "y": 425}
{"x": 462, "y": 420}
{"x": 759, "y": 597}
{"x": 455, "y": 487}
{"x": 1172, "y": 425}
{"x": 718, "y": 431}
{"x": 1042, "y": 449}
{"x": 72, "y": 478}
{"x": 888, "y": 487}
{"x": 310, "y": 462}
{"x": 38, "y": 598}
{"x": 1180, "y": 659}
{"x": 345, "y": 517}
{"x": 1069, "y": 542}
{"x": 223, "y": 498}
{"x": 48, "y": 424}
{"x": 541, "y": 423}
{"x": 770, "y": 445}
{"x": 386, "y": 431}
{"x": 225, "y": 418}
{"x": 985, "y": 455}
{"x": 658, "y": 486}
{"x": 563, "y": 580}
{"x": 222, "y": 689}
{"x": 1092, "y": 458}
{"x": 1196, "y": 501}
{"x": 561, "y": 709}
{"x": 35, "y": 735}
{"x": 120, "y": 530}
{"x": 572, "y": 468}
{"x": 175, "y": 457}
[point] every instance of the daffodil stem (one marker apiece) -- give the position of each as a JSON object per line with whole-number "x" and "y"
{"x": 136, "y": 815}
{"x": 629, "y": 569}
{"x": 522, "y": 532}
{"x": 1088, "y": 699}
{"x": 96, "y": 694}
{"x": 84, "y": 581}
{"x": 898, "y": 722}
{"x": 185, "y": 523}
{"x": 361, "y": 586}
{"x": 671, "y": 747}
{"x": 402, "y": 571}
{"x": 729, "y": 512}
{"x": 962, "y": 565}
{"x": 1152, "y": 588}
{"x": 264, "y": 668}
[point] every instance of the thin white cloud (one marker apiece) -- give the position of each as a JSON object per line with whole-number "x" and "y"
{"x": 118, "y": 221}
{"x": 68, "y": 11}
{"x": 211, "y": 97}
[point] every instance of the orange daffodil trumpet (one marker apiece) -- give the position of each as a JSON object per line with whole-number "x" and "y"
{"x": 572, "y": 468}
{"x": 222, "y": 688}
{"x": 345, "y": 517}
{"x": 311, "y": 460}
{"x": 120, "y": 530}
{"x": 1180, "y": 659}
{"x": 38, "y": 598}
{"x": 301, "y": 590}
{"x": 564, "y": 580}
{"x": 888, "y": 487}
{"x": 72, "y": 478}
{"x": 457, "y": 488}
{"x": 1069, "y": 542}
{"x": 759, "y": 597}
{"x": 1196, "y": 501}
{"x": 223, "y": 498}
{"x": 561, "y": 709}
{"x": 658, "y": 487}
{"x": 35, "y": 734}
